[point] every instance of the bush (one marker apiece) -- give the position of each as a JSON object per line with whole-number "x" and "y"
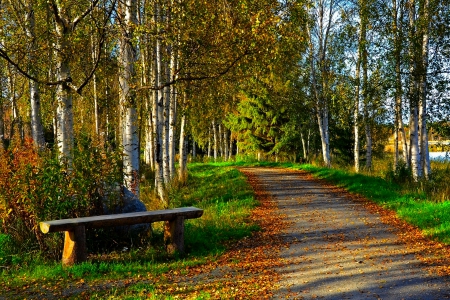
{"x": 37, "y": 187}
{"x": 401, "y": 174}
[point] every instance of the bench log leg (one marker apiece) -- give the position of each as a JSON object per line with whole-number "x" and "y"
{"x": 74, "y": 246}
{"x": 174, "y": 235}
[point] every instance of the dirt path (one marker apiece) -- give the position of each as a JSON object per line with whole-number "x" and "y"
{"x": 338, "y": 249}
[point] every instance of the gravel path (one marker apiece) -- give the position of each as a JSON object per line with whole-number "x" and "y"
{"x": 339, "y": 250}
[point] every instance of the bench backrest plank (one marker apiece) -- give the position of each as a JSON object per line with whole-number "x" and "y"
{"x": 121, "y": 219}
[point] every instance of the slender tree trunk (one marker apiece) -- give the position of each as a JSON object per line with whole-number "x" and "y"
{"x": 127, "y": 94}
{"x": 302, "y": 137}
{"x": 37, "y": 130}
{"x": 165, "y": 131}
{"x": 172, "y": 119}
{"x": 230, "y": 148}
{"x": 320, "y": 96}
{"x": 399, "y": 128}
{"x": 209, "y": 142}
{"x": 424, "y": 152}
{"x": 182, "y": 172}
{"x": 157, "y": 118}
{"x": 225, "y": 143}
{"x": 413, "y": 97}
{"x": 220, "y": 135}
{"x": 215, "y": 139}
{"x": 356, "y": 108}
{"x": 94, "y": 90}
{"x": 366, "y": 109}
{"x": 64, "y": 111}
{"x": 324, "y": 136}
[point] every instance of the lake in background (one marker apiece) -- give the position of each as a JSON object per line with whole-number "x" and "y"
{"x": 440, "y": 156}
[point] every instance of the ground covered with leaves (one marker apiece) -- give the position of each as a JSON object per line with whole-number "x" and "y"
{"x": 245, "y": 270}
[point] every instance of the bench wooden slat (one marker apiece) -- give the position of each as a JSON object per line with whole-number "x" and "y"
{"x": 121, "y": 219}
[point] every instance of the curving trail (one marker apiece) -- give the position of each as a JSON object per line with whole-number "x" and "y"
{"x": 338, "y": 249}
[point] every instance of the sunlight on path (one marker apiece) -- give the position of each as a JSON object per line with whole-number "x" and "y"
{"x": 338, "y": 250}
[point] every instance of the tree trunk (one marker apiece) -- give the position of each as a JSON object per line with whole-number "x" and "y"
{"x": 215, "y": 139}
{"x": 230, "y": 148}
{"x": 424, "y": 152}
{"x": 356, "y": 108}
{"x": 322, "y": 118}
{"x": 165, "y": 130}
{"x": 94, "y": 90}
{"x": 220, "y": 135}
{"x": 413, "y": 97}
{"x": 64, "y": 111}
{"x": 398, "y": 123}
{"x": 157, "y": 118}
{"x": 37, "y": 130}
{"x": 209, "y": 142}
{"x": 225, "y": 143}
{"x": 172, "y": 118}
{"x": 130, "y": 136}
{"x": 182, "y": 172}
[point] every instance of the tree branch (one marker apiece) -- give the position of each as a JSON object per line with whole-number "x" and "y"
{"x": 196, "y": 78}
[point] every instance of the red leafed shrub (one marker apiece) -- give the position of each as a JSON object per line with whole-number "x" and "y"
{"x": 36, "y": 186}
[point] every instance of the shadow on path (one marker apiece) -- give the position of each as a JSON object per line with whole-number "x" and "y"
{"x": 339, "y": 250}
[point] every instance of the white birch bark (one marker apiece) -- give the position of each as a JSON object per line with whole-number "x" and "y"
{"x": 157, "y": 111}
{"x": 37, "y": 130}
{"x": 64, "y": 110}
{"x": 94, "y": 89}
{"x": 130, "y": 136}
{"x": 182, "y": 171}
{"x": 424, "y": 152}
{"x": 413, "y": 98}
{"x": 323, "y": 27}
{"x": 209, "y": 142}
{"x": 165, "y": 129}
{"x": 215, "y": 139}
{"x": 230, "y": 148}
{"x": 172, "y": 119}
{"x": 367, "y": 118}
{"x": 356, "y": 110}
{"x": 220, "y": 136}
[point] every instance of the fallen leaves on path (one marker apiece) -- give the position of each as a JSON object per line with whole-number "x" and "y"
{"x": 246, "y": 270}
{"x": 434, "y": 255}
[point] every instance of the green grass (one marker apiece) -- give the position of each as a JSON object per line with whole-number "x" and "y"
{"x": 220, "y": 190}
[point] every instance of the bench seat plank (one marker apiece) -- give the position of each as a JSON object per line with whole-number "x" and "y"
{"x": 121, "y": 219}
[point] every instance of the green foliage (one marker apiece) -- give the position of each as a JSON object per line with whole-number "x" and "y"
{"x": 37, "y": 187}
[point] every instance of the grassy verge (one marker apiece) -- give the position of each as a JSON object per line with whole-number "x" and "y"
{"x": 220, "y": 190}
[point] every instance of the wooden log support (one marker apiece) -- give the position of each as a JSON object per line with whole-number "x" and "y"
{"x": 74, "y": 246}
{"x": 75, "y": 229}
{"x": 174, "y": 235}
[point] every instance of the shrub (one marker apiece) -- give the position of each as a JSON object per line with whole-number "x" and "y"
{"x": 37, "y": 187}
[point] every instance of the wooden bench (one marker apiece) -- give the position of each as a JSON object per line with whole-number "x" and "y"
{"x": 75, "y": 234}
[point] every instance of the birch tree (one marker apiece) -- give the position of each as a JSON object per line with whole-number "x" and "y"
{"x": 127, "y": 93}
{"x": 323, "y": 12}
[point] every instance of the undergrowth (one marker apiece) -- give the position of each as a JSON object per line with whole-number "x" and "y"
{"x": 221, "y": 191}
